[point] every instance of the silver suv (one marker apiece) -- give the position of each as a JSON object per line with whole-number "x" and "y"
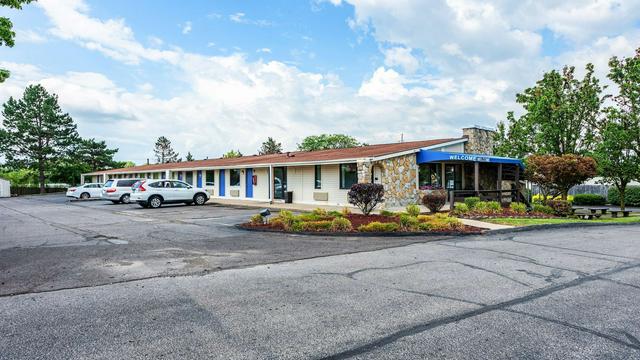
{"x": 118, "y": 190}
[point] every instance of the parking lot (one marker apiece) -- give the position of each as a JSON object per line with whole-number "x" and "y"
{"x": 48, "y": 242}
{"x": 91, "y": 280}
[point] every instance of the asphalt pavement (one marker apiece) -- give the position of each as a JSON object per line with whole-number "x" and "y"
{"x": 549, "y": 294}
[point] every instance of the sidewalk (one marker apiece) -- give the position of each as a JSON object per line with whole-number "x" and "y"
{"x": 485, "y": 225}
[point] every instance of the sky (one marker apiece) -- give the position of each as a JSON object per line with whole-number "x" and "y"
{"x": 218, "y": 75}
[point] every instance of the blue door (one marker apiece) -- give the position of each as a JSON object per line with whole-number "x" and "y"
{"x": 180, "y": 175}
{"x": 221, "y": 180}
{"x": 199, "y": 180}
{"x": 249, "y": 183}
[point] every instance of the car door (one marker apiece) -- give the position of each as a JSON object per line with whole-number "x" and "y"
{"x": 182, "y": 191}
{"x": 96, "y": 190}
{"x": 165, "y": 189}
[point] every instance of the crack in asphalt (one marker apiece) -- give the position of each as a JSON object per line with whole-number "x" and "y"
{"x": 633, "y": 342}
{"x": 572, "y": 249}
{"x": 417, "y": 329}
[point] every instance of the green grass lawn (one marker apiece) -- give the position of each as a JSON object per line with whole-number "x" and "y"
{"x": 527, "y": 222}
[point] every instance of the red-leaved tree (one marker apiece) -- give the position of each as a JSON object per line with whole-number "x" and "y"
{"x": 557, "y": 174}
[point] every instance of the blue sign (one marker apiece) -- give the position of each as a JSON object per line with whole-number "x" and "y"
{"x": 427, "y": 156}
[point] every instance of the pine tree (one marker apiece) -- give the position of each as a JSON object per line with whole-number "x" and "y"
{"x": 36, "y": 130}
{"x": 270, "y": 147}
{"x": 164, "y": 152}
{"x": 189, "y": 157}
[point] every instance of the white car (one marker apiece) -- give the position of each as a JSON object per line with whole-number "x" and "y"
{"x": 85, "y": 191}
{"x": 154, "y": 193}
{"x": 118, "y": 190}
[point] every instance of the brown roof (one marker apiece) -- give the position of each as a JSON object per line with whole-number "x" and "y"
{"x": 291, "y": 157}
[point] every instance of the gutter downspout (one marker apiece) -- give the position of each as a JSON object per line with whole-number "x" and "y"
{"x": 271, "y": 185}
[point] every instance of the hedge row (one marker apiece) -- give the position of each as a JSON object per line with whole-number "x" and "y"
{"x": 631, "y": 196}
{"x": 589, "y": 199}
{"x": 29, "y": 190}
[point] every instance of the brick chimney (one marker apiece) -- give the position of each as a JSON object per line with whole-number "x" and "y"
{"x": 480, "y": 140}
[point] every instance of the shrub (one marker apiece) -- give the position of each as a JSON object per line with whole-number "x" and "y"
{"x": 408, "y": 222}
{"x": 413, "y": 210}
{"x": 487, "y": 207}
{"x": 460, "y": 208}
{"x": 377, "y": 226}
{"x": 319, "y": 212}
{"x": 366, "y": 196}
{"x": 387, "y": 213}
{"x": 424, "y": 218}
{"x": 545, "y": 209}
{"x": 346, "y": 211}
{"x": 560, "y": 207}
{"x": 471, "y": 202}
{"x": 494, "y": 206}
{"x": 341, "y": 224}
{"x": 315, "y": 225}
{"x": 435, "y": 200}
{"x": 256, "y": 219}
{"x": 334, "y": 213}
{"x": 631, "y": 196}
{"x": 538, "y": 198}
{"x": 518, "y": 208}
{"x": 589, "y": 199}
{"x": 287, "y": 218}
{"x": 312, "y": 217}
{"x": 276, "y": 222}
{"x": 441, "y": 223}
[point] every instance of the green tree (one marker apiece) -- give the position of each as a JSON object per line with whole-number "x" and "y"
{"x": 327, "y": 141}
{"x": 557, "y": 174}
{"x": 164, "y": 152}
{"x": 560, "y": 112}
{"x": 123, "y": 164}
{"x": 618, "y": 150}
{"x": 87, "y": 155}
{"x": 618, "y": 162}
{"x": 232, "y": 154}
{"x": 189, "y": 157}
{"x": 7, "y": 35}
{"x": 270, "y": 147}
{"x": 36, "y": 130}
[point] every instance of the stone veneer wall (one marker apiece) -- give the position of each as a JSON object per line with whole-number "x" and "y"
{"x": 399, "y": 176}
{"x": 364, "y": 171}
{"x": 480, "y": 140}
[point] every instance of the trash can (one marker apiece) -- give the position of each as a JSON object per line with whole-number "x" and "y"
{"x": 288, "y": 198}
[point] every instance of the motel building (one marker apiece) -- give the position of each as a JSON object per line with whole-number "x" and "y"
{"x": 463, "y": 166}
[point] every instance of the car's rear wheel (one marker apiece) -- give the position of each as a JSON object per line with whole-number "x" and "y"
{"x": 155, "y": 202}
{"x": 199, "y": 199}
{"x": 125, "y": 199}
{"x": 84, "y": 195}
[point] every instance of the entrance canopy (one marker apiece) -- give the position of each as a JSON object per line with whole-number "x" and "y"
{"x": 428, "y": 156}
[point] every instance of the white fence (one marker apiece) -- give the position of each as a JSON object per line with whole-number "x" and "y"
{"x": 5, "y": 188}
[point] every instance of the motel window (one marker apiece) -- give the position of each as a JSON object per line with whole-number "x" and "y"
{"x": 209, "y": 179}
{"x": 348, "y": 175}
{"x": 430, "y": 175}
{"x": 189, "y": 177}
{"x": 318, "y": 177}
{"x": 234, "y": 177}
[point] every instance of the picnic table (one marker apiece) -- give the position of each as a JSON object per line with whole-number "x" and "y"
{"x": 625, "y": 213}
{"x": 602, "y": 209}
{"x": 573, "y": 210}
{"x": 588, "y": 216}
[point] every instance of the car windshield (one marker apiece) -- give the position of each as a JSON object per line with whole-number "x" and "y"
{"x": 108, "y": 183}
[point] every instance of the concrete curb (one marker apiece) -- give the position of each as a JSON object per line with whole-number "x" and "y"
{"x": 361, "y": 234}
{"x": 554, "y": 226}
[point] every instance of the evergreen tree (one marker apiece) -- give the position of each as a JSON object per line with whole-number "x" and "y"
{"x": 270, "y": 147}
{"x": 36, "y": 130}
{"x": 328, "y": 141}
{"x": 189, "y": 157}
{"x": 164, "y": 152}
{"x": 232, "y": 154}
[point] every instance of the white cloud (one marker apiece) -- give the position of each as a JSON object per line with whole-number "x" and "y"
{"x": 264, "y": 50}
{"x": 401, "y": 56}
{"x": 111, "y": 37}
{"x": 240, "y": 18}
{"x": 29, "y": 36}
{"x": 186, "y": 28}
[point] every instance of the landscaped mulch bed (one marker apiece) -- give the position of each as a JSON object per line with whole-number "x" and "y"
{"x": 506, "y": 213}
{"x": 359, "y": 219}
